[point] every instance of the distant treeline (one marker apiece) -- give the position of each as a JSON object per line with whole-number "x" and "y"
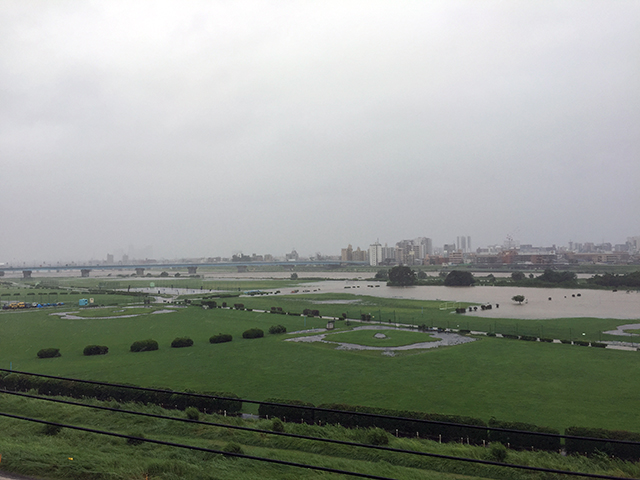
{"x": 631, "y": 280}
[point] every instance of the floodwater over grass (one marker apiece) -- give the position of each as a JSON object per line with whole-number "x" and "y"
{"x": 540, "y": 303}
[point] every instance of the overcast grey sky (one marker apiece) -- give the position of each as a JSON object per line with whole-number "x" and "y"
{"x": 214, "y": 127}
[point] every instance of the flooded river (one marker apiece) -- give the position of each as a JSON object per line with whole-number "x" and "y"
{"x": 539, "y": 303}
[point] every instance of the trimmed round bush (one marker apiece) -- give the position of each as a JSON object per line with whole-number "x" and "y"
{"x": 95, "y": 350}
{"x": 221, "y": 338}
{"x": 192, "y": 413}
{"x": 49, "y": 353}
{"x": 253, "y": 333}
{"x": 181, "y": 342}
{"x": 498, "y": 452}
{"x": 144, "y": 345}
{"x": 276, "y": 329}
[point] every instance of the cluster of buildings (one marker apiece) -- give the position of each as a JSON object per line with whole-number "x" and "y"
{"x": 420, "y": 251}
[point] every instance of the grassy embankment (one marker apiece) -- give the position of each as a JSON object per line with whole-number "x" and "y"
{"x": 72, "y": 454}
{"x": 546, "y": 384}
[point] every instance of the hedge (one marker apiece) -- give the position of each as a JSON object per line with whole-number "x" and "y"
{"x": 589, "y": 447}
{"x": 253, "y": 333}
{"x": 288, "y": 413}
{"x": 276, "y": 329}
{"x": 165, "y": 399}
{"x": 49, "y": 353}
{"x": 144, "y": 346}
{"x": 522, "y": 440}
{"x": 180, "y": 342}
{"x": 405, "y": 426}
{"x": 95, "y": 350}
{"x": 220, "y": 338}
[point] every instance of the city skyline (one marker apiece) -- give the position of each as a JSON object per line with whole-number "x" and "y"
{"x": 132, "y": 253}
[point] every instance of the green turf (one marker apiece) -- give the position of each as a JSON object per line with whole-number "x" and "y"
{"x": 547, "y": 384}
{"x": 394, "y": 338}
{"x": 74, "y": 454}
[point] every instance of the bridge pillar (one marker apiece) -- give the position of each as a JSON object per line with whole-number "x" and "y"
{"x": 84, "y": 272}
{"x": 242, "y": 268}
{"x": 140, "y": 271}
{"x": 26, "y": 274}
{"x": 192, "y": 270}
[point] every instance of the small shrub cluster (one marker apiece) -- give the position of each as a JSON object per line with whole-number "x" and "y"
{"x": 253, "y": 333}
{"x": 49, "y": 353}
{"x": 510, "y": 336}
{"x": 95, "y": 350}
{"x": 528, "y": 338}
{"x": 547, "y": 340}
{"x": 276, "y": 329}
{"x": 220, "y": 338}
{"x": 598, "y": 345}
{"x": 464, "y": 331}
{"x": 307, "y": 312}
{"x": 238, "y": 306}
{"x": 365, "y": 317}
{"x": 181, "y": 342}
{"x": 144, "y": 346}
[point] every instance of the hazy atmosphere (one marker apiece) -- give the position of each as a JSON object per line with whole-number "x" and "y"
{"x": 191, "y": 129}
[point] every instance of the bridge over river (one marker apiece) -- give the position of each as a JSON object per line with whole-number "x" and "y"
{"x": 139, "y": 268}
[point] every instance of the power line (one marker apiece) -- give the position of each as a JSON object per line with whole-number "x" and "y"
{"x": 192, "y": 447}
{"x": 291, "y": 435}
{"x": 329, "y": 410}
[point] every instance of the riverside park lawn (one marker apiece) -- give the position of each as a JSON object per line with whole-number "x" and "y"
{"x": 554, "y": 385}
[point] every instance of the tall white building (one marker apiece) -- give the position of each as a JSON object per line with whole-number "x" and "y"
{"x": 375, "y": 254}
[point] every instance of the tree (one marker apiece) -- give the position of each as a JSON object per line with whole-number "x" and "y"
{"x": 401, "y": 276}
{"x": 422, "y": 274}
{"x": 382, "y": 275}
{"x": 294, "y": 276}
{"x": 518, "y": 298}
{"x": 552, "y": 276}
{"x": 459, "y": 278}
{"x": 517, "y": 276}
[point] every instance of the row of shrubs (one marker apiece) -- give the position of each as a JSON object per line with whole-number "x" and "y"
{"x": 88, "y": 350}
{"x": 530, "y": 338}
{"x": 231, "y": 403}
{"x": 180, "y": 342}
{"x": 467, "y": 431}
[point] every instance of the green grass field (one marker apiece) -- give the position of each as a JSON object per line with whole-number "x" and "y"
{"x": 394, "y": 338}
{"x": 72, "y": 454}
{"x": 547, "y": 384}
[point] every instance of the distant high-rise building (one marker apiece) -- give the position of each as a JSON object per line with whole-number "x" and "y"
{"x": 359, "y": 255}
{"x": 347, "y": 254}
{"x": 375, "y": 254}
{"x": 468, "y": 243}
{"x": 109, "y": 258}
